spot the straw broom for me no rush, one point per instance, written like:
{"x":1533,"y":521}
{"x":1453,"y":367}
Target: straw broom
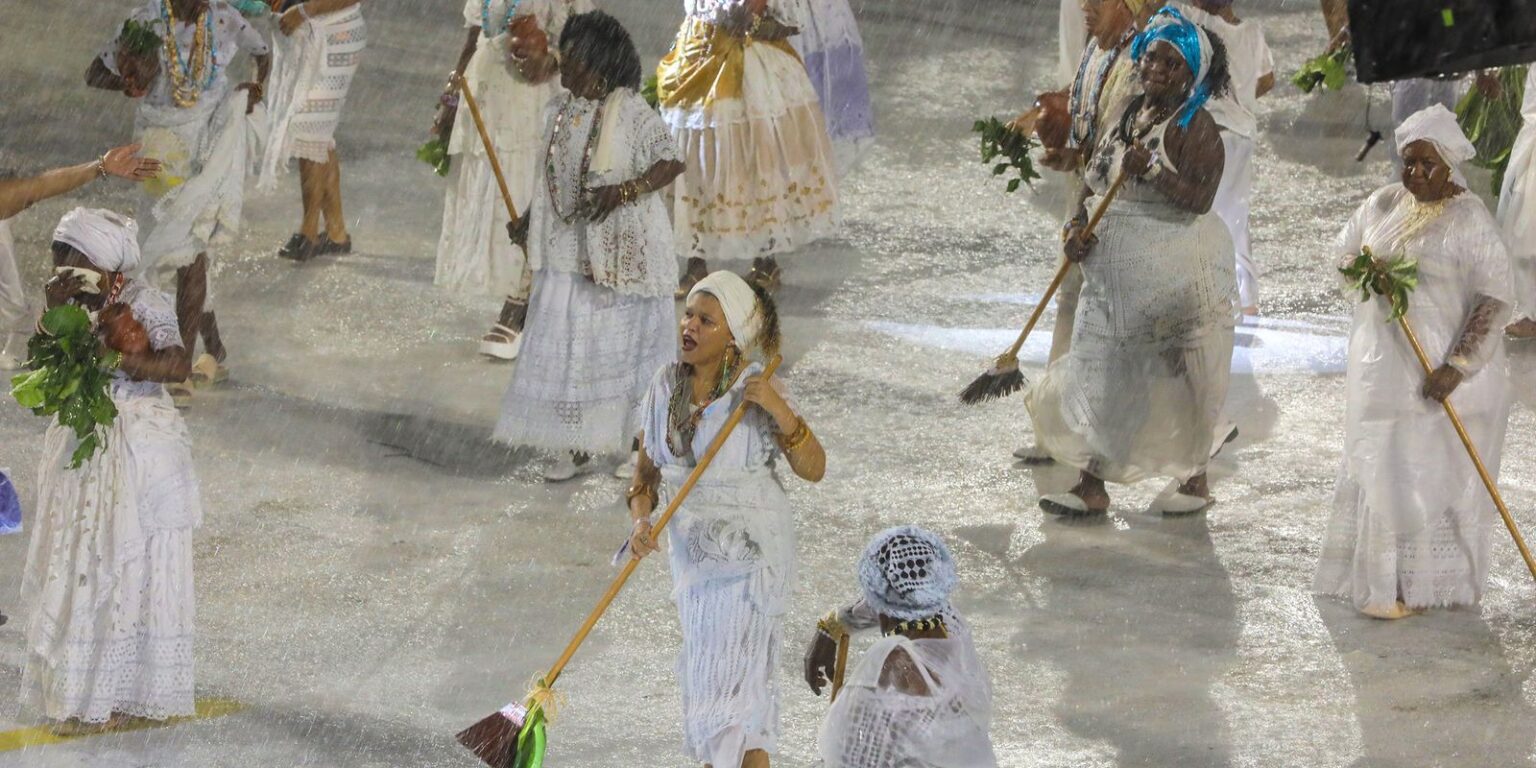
{"x":1005,"y":378}
{"x":514,"y":736}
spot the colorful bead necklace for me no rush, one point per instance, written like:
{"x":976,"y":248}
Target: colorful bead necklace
{"x":586,"y":158}
{"x":196,"y":72}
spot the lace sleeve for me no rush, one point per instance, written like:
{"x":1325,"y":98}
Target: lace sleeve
{"x":158,"y":316}
{"x":1473,"y":349}
{"x":653,"y":141}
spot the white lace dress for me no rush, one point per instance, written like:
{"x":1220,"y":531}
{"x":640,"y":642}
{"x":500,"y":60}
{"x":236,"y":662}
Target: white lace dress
{"x":1141,"y":391}
{"x":732,"y":553}
{"x":1517,"y":202}
{"x":312,"y":72}
{"x":474,"y":256}
{"x":205,"y":149}
{"x":601,"y":317}
{"x":109,"y":569}
{"x":1411,"y":519}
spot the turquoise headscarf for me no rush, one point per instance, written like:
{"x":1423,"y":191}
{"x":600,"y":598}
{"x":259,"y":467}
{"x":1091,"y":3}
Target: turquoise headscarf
{"x":1192,"y":42}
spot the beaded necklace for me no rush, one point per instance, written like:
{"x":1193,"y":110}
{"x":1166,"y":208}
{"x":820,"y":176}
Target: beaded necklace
{"x":485,"y":17}
{"x":682,"y":418}
{"x":194,"y":73}
{"x":586,"y":158}
{"x":1085,"y":117}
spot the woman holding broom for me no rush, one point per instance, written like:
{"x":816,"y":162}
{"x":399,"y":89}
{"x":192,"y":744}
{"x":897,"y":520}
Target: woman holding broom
{"x":601,"y":312}
{"x":1412,"y":523}
{"x":1142,"y":388}
{"x":732,"y":542}
{"x":509,"y":67}
{"x":109,"y":569}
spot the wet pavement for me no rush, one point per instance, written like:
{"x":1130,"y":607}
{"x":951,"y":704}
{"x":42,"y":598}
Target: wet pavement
{"x":373,"y":574}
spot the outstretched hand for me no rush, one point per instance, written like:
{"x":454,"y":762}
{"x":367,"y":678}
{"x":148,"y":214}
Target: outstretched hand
{"x":125,"y":163}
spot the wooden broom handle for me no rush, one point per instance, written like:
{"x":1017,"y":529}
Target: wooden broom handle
{"x":1477,"y":460}
{"x":661,"y":523}
{"x":490,"y":147}
{"x":1066,"y":266}
{"x":840,"y":672}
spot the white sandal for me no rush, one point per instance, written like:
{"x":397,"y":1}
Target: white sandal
{"x":502,"y":343}
{"x":1034,"y":456}
{"x":1172,"y":503}
{"x":181,"y":394}
{"x":207,"y":371}
{"x":1067,"y":505}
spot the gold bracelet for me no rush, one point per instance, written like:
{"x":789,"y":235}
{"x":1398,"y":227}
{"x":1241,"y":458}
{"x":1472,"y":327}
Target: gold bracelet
{"x":640,"y":488}
{"x":830,"y":626}
{"x":101,"y":166}
{"x":796,"y":439}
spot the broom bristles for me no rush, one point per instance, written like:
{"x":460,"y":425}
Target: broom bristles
{"x":1002,"y":380}
{"x":494,"y":738}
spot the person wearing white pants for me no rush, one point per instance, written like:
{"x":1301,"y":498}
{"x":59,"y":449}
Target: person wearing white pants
{"x":1252,"y":68}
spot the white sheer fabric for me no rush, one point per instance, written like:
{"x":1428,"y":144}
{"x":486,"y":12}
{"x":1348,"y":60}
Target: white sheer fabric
{"x":1072,"y":37}
{"x":943,"y":722}
{"x":601,"y":316}
{"x":474,"y":255}
{"x":1411,"y":518}
{"x":109,"y":569}
{"x":732,"y":553}
{"x":15,"y":317}
{"x":1517,"y":202}
{"x":312,"y":72}
{"x":1141,"y":391}
{"x":833,"y":51}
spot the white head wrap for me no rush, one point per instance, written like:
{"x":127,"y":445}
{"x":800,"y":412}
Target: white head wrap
{"x":907,"y":573}
{"x":738,"y":301}
{"x":109,"y":240}
{"x":1437,"y":125}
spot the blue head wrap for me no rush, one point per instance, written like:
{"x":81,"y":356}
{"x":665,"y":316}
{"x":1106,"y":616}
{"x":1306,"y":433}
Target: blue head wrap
{"x":1170,"y":26}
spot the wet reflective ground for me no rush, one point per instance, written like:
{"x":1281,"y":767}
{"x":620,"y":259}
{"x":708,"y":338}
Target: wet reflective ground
{"x":373,"y":575}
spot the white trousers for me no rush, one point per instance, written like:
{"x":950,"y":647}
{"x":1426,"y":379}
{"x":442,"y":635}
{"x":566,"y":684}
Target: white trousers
{"x":1233,"y":199}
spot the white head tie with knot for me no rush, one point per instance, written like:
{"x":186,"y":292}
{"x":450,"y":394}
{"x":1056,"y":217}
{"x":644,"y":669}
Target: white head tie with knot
{"x":110,"y":240}
{"x":1437,"y":125}
{"x":739,"y":303}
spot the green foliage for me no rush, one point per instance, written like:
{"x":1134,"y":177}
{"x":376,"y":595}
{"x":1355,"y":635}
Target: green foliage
{"x":435,"y":154}
{"x":70,"y":378}
{"x":649,"y":93}
{"x":139,"y":39}
{"x":1395,"y":279}
{"x":1010,"y":148}
{"x":1330,"y":70}
{"x":1493,"y":124}
{"x":532,"y":742}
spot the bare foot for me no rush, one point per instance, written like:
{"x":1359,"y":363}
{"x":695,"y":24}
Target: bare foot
{"x":1093,"y":495}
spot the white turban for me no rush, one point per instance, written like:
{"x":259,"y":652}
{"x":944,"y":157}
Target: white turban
{"x":1437,"y":125}
{"x":109,"y":240}
{"x":738,"y":301}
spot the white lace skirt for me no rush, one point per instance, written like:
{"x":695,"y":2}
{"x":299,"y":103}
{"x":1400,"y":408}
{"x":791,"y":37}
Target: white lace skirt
{"x":584,"y":370}
{"x":1383,"y":545}
{"x":728,"y":666}
{"x":109,"y":573}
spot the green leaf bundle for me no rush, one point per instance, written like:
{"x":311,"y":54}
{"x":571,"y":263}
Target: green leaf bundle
{"x":1493,"y":124}
{"x":1330,"y":70}
{"x":70,"y":378}
{"x":1008,"y":150}
{"x":435,"y":154}
{"x":139,"y":39}
{"x":649,"y":92}
{"x":1395,"y":279}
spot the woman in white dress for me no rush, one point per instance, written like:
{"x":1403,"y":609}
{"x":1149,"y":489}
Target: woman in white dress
{"x":732,"y":543}
{"x":833,"y":50}
{"x":109,"y":569}
{"x":509,"y":67}
{"x":1140,"y":392}
{"x":1517,"y":213}
{"x":920,"y":696}
{"x":760,"y":178}
{"x":1412,"y":523}
{"x":600,"y":317}
{"x":316,"y":58}
{"x":199,"y":126}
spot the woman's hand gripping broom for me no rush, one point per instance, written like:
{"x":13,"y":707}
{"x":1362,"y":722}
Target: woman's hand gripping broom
{"x":1005,"y":378}
{"x":514,"y":736}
